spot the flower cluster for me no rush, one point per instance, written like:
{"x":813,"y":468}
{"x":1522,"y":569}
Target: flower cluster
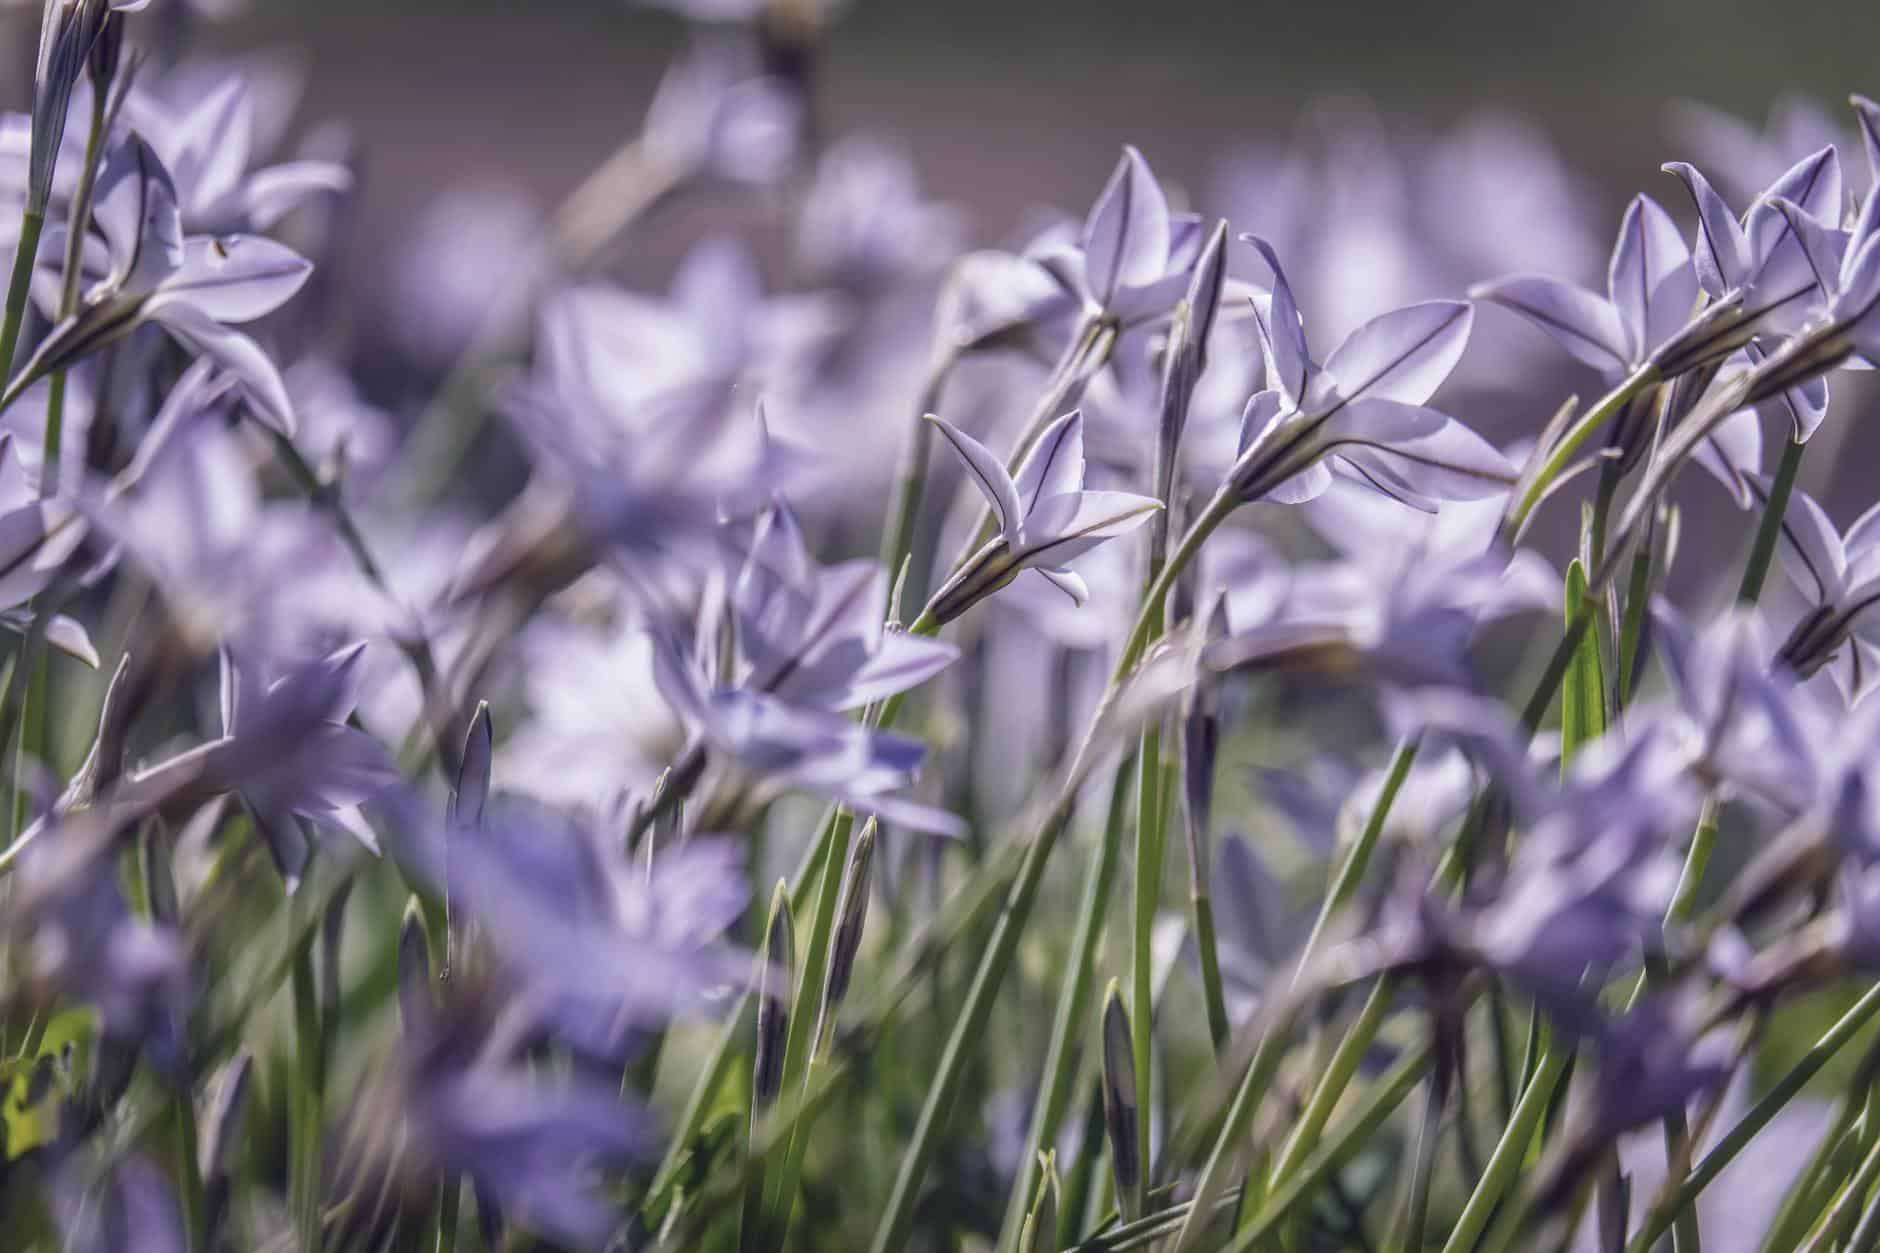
{"x":389,"y":829}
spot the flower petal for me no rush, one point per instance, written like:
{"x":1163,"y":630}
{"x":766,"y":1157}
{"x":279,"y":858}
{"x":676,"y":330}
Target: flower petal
{"x":1811,"y":548}
{"x":991,"y":476}
{"x":1282,"y":333}
{"x":1585,"y":325}
{"x":241,"y":356}
{"x":1722,"y":253}
{"x":1649,"y":250}
{"x":1063,"y":527}
{"x":1068,"y":582}
{"x":1126,"y":239}
{"x":1403,"y":355}
{"x":235,"y":278}
{"x":1055,"y":464}
{"x":1428,"y":452}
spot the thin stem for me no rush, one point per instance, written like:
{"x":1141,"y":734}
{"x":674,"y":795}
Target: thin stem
{"x":1840,"y":1217}
{"x":1073,"y":1011}
{"x":1150,"y":811}
{"x":814,"y":963}
{"x":1770,"y":530}
{"x":308,"y":1105}
{"x":1379,"y":1102}
{"x":32,"y":226}
{"x":1562,"y":455}
{"x":1429,"y":1135}
{"x":74,"y":269}
{"x":1337,"y":1076}
{"x":1504,"y":1164}
{"x":910,"y":478}
{"x":1212,"y":991}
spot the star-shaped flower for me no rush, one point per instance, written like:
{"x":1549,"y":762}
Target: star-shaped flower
{"x":1363,"y":410}
{"x":1046,"y":518}
{"x":196,"y":288}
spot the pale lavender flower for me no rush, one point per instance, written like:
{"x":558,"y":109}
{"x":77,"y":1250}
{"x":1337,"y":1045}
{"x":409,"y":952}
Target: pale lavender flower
{"x":1362,"y":413}
{"x":865,"y":223}
{"x":1747,"y":158}
{"x":38,"y":538}
{"x":229,"y":563}
{"x":208,"y":145}
{"x":1046,"y":518}
{"x":1650,"y":288}
{"x":195,"y":287}
{"x":304,"y":770}
{"x":1403,"y":606}
{"x":1755,"y":270}
{"x":1132,"y":261}
{"x":1839,"y":578}
{"x":716,"y":112}
{"x":540,"y":886}
{"x":769,"y":665}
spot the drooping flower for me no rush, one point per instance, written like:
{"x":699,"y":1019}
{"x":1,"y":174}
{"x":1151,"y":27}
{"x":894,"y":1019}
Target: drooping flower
{"x":195,"y":287}
{"x":1362,"y":413}
{"x":1046,"y":518}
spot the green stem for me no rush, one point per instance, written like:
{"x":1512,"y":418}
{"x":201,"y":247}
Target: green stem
{"x":1841,"y":1216}
{"x":1216,"y":1173}
{"x":32,"y":226}
{"x":1212,"y":991}
{"x":910,"y":478}
{"x":891,"y":1231}
{"x":1569,"y":443}
{"x":78,"y":225}
{"x":780,"y":1194}
{"x":1149,"y":847}
{"x":1330,"y":1089}
{"x":1072,"y":1014}
{"x":1504,"y":1164}
{"x":308,"y":1101}
{"x":1674,"y":1200}
{"x":1770,"y":530}
{"x":1429,"y":1134}
{"x":1379,"y":1102}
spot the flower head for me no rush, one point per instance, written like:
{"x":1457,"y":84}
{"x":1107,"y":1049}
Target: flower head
{"x":1046,"y":518}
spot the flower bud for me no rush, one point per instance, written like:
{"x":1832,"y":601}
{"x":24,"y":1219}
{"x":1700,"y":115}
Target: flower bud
{"x":851,"y":918}
{"x":1039,"y":1234}
{"x":1119,"y":1100}
{"x":773,"y":1002}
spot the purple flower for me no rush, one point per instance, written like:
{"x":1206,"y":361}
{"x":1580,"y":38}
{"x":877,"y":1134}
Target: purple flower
{"x":540,"y":886}
{"x":1839,"y":577}
{"x":1758,"y":265}
{"x":1650,"y":288}
{"x":67,"y":31}
{"x":776,"y":656}
{"x":865,"y":222}
{"x":208,"y":146}
{"x":301,"y":767}
{"x":1046,"y":518}
{"x":1362,"y":411}
{"x":533,"y":1148}
{"x":195,"y":287}
{"x":1133,"y":259}
{"x":1404,"y":605}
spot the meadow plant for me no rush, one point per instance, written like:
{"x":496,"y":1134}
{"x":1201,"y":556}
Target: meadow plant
{"x":392,"y":796}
